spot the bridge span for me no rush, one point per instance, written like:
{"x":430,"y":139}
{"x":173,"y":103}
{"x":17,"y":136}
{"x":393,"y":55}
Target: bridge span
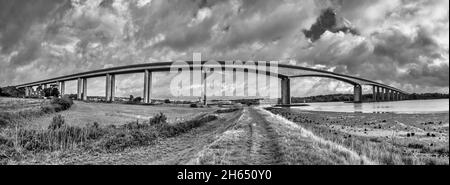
{"x":284,"y":72}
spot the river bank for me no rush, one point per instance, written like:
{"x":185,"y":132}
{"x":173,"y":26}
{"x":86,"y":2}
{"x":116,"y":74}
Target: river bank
{"x":385,"y":138}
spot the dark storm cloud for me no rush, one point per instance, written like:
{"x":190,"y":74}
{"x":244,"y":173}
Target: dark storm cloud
{"x":327,"y":21}
{"x":406,"y":49}
{"x":16,"y":18}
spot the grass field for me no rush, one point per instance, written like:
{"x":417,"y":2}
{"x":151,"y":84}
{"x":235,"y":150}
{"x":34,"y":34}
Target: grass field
{"x":82,"y":113}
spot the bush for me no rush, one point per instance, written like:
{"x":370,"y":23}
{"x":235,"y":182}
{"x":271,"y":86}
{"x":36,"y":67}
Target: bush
{"x":65,"y":102}
{"x":3,"y":122}
{"x":57,"y":122}
{"x":121,"y":139}
{"x":220,"y":111}
{"x":158,"y":119}
{"x":166,"y":130}
{"x":137,"y":99}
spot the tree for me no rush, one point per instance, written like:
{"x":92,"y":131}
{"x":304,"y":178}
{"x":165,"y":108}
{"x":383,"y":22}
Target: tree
{"x":137,"y":99}
{"x":55,"y":92}
{"x":47,"y":92}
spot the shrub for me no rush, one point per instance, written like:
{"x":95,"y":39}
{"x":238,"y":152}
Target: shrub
{"x":5,"y":141}
{"x":220,"y":111}
{"x":121,"y":139}
{"x":137,"y":99}
{"x":65,"y":102}
{"x":57,"y":122}
{"x":415,"y":145}
{"x":94,"y":125}
{"x":3,"y":122}
{"x":166,"y":130}
{"x":158,"y":119}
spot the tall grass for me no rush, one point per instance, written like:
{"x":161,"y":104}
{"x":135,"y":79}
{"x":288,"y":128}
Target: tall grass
{"x":60,"y":136}
{"x":55,"y":105}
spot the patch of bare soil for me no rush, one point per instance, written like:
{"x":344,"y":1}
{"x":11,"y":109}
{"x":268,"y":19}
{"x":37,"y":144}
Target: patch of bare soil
{"x":251,"y":140}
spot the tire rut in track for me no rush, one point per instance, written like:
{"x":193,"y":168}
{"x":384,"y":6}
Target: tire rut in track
{"x":264,"y":141}
{"x":250,"y":140}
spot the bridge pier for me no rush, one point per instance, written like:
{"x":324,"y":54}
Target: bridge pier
{"x":27,"y":91}
{"x":85,"y":89}
{"x":61,"y":88}
{"x":388,"y":95}
{"x":110,"y":87}
{"x":391,"y":95}
{"x":357,"y":93}
{"x":147,"y":86}
{"x":374,"y":93}
{"x":382,"y":94}
{"x":79,"y":88}
{"x":377,"y":99}
{"x":204,"y":75}
{"x":285,"y":91}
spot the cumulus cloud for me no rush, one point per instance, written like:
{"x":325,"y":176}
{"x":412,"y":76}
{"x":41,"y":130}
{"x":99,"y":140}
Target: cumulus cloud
{"x":400,"y":43}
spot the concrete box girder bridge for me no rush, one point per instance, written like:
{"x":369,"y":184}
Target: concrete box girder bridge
{"x":284,"y":72}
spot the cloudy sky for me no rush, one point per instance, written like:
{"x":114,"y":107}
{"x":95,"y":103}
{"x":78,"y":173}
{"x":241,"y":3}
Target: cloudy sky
{"x":403,"y":43}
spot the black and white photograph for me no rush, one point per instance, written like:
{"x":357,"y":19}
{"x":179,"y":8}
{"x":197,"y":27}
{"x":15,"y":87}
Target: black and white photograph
{"x":224,"y":83}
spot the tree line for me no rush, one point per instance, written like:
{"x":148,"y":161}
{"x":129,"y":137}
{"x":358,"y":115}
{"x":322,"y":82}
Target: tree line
{"x":11,"y":91}
{"x":349,"y":97}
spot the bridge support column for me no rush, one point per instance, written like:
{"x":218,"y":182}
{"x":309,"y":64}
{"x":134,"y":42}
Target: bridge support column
{"x":27,"y":91}
{"x":382,"y":97}
{"x":204,"y":74}
{"x":61,"y":88}
{"x":388,"y":95}
{"x":391,"y":95}
{"x":110,"y":87}
{"x":285,"y":91}
{"x":357,"y":93}
{"x":147,"y":86}
{"x":113,"y":87}
{"x":79,"y":89}
{"x":374,"y":93}
{"x":378,"y":94}
{"x":85,"y":89}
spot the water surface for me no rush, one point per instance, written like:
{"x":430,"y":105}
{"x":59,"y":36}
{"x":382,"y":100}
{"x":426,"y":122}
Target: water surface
{"x":409,"y":106}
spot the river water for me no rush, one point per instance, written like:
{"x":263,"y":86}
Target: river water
{"x":409,"y":106}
